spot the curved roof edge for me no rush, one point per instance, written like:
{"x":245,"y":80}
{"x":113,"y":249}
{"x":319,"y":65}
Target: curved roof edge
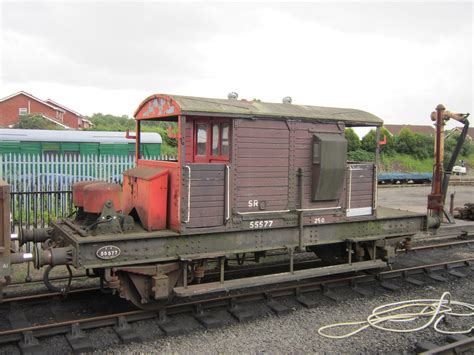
{"x":161,"y":105}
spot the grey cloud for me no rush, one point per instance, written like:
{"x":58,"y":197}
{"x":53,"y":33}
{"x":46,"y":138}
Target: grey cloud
{"x":145,"y":45}
{"x":113,"y":44}
{"x":421,"y":21}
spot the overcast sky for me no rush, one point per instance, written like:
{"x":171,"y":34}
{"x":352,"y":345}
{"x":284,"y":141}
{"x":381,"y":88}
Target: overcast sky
{"x":396,"y":60}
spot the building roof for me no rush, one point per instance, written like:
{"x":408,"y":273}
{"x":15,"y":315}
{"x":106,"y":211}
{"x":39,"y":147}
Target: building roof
{"x":63,"y":107}
{"x":55,"y":122}
{"x":161,"y":105}
{"x":33,"y":98}
{"x":395,"y":129}
{"x":470,"y":132}
{"x":44,"y":135}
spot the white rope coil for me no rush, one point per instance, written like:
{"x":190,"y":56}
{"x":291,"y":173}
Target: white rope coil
{"x":435,"y":310}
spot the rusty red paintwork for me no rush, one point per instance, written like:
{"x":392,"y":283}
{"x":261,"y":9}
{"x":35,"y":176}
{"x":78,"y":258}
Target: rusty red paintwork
{"x":157,"y":106}
{"x":174,"y":189}
{"x":145,"y":189}
{"x":78,"y":192}
{"x":5,"y":240}
{"x":95,"y":196}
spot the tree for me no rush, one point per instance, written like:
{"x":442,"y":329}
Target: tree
{"x":368,"y":142}
{"x":111,"y":123}
{"x":450,"y":144}
{"x":424,"y":146}
{"x":405,"y":141}
{"x":467,"y":147}
{"x":36,"y":121}
{"x":106,"y":122}
{"x":417,"y":145}
{"x":353,"y":141}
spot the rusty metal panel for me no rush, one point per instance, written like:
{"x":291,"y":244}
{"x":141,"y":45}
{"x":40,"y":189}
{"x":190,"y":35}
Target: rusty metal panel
{"x":174,"y":182}
{"x":145,"y":189}
{"x":261,"y":165}
{"x":96,"y":195}
{"x":5,"y":238}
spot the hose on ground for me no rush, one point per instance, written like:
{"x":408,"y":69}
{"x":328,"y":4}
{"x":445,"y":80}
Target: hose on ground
{"x":435,"y":310}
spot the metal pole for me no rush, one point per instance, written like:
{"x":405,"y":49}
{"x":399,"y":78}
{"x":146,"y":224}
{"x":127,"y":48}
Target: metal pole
{"x":137,"y":141}
{"x":439,"y":150}
{"x":301,"y":216}
{"x":435,"y":199}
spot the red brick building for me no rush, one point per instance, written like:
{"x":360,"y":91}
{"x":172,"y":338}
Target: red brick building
{"x":14,"y":106}
{"x":71,"y":115}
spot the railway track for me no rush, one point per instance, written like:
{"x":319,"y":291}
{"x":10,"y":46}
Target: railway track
{"x":118,"y":314}
{"x":455,"y":344}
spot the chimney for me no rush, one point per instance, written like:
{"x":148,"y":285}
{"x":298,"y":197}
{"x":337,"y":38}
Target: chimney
{"x":287,"y":100}
{"x":232,"y":95}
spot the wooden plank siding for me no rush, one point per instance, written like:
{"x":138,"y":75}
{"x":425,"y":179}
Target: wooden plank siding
{"x":260,"y":169}
{"x":207,"y":195}
{"x":360,"y":193}
{"x":304,"y":132}
{"x":264,"y":162}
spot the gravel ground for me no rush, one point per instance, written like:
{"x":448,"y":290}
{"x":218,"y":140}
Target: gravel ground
{"x":297,"y":331}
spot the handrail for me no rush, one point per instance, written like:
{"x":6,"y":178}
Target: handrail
{"x":227,"y":214}
{"x":189,"y":194}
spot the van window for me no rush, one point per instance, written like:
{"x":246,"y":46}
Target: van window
{"x":225,"y":139}
{"x":201,"y":139}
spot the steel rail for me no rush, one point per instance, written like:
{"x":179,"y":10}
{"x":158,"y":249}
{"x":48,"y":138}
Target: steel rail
{"x":37,"y":296}
{"x":457,"y":347}
{"x":39,"y":281}
{"x":439,"y":245}
{"x":445,"y":264}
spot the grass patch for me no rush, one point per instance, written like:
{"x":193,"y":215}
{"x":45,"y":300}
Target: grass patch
{"x":408,"y":164}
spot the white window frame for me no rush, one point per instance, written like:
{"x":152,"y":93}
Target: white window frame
{"x":22,"y":111}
